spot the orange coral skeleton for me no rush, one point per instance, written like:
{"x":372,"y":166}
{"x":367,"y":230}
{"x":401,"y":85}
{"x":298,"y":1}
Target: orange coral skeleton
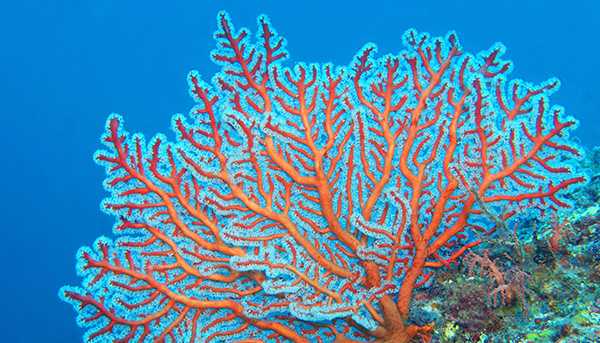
{"x":308,"y":204}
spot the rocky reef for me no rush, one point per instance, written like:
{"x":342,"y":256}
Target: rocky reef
{"x":538,"y":283}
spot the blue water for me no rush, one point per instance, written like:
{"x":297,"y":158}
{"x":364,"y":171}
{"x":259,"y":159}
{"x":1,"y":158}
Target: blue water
{"x":64,"y":65}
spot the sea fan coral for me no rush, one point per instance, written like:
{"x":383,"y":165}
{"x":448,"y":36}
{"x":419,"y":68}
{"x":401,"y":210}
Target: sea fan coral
{"x":308,"y":202}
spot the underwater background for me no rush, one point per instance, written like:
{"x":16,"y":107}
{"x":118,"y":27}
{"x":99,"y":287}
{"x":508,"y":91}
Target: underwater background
{"x":65,"y":65}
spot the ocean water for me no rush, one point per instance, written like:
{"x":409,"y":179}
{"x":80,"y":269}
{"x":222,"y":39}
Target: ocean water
{"x":65,"y":65}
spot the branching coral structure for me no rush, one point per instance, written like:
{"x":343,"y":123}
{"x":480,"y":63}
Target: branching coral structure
{"x":308,"y":203}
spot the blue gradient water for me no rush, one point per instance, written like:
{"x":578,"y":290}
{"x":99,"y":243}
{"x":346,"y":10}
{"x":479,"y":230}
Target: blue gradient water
{"x":64,"y":65}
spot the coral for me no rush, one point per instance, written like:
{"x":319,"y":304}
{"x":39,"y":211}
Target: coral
{"x":562,"y":288}
{"x":560,"y":231}
{"x":504,"y":287}
{"x":309,"y":202}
